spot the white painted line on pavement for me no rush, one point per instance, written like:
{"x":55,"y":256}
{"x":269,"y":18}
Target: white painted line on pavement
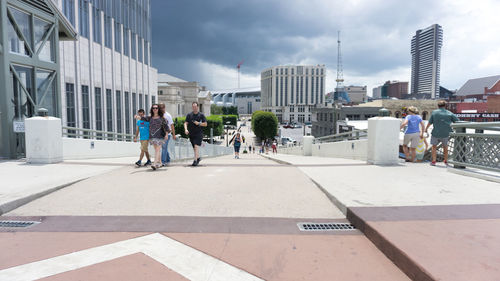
{"x":188,"y":262}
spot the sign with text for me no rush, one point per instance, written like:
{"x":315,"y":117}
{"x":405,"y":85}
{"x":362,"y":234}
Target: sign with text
{"x":18,"y":126}
{"x":478,"y":115}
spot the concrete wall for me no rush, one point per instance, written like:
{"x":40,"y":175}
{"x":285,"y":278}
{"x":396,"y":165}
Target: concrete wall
{"x":356,"y":149}
{"x":82,"y":149}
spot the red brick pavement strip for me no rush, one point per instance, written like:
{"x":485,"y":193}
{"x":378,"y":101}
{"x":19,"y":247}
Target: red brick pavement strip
{"x":297,"y":257}
{"x":130,"y":268}
{"x":459,"y":242}
{"x":170,"y":224}
{"x":271,"y":257}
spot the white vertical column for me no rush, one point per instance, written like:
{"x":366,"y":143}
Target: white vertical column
{"x":383,"y":140}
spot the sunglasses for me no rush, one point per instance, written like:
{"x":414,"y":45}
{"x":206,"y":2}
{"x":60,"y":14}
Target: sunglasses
{"x":155,"y":107}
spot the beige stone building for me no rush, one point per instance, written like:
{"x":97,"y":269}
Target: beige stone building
{"x":178,"y":95}
{"x":396,"y":107}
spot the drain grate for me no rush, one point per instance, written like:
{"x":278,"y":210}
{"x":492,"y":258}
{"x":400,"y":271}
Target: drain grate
{"x":307,"y":226}
{"x":17,"y":223}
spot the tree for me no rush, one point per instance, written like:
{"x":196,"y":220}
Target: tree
{"x":215,"y":109}
{"x":264,"y":124}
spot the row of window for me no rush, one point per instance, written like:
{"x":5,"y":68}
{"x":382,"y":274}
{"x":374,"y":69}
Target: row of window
{"x":284,"y":71}
{"x":131,"y":102}
{"x":316,"y":95}
{"x":132,"y":36}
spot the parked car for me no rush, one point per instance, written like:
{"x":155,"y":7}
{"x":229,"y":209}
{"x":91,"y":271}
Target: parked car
{"x":287,"y":126}
{"x":286,"y":140}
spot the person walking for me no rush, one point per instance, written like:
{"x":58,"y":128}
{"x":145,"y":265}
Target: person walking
{"x":193,"y":127}
{"x":441,"y":120}
{"x":274,"y":146}
{"x":165,"y":155}
{"x":158,"y":132}
{"x":237,"y":144}
{"x":413,"y":133}
{"x":142,"y":128}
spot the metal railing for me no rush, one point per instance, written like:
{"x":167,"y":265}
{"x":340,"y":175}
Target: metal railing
{"x":476,"y":149}
{"x":352,"y":135}
{"x":72,"y":132}
{"x":180,"y":148}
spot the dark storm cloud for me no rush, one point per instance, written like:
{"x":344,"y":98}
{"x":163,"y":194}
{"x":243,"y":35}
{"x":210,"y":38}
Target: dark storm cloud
{"x":375,"y":35}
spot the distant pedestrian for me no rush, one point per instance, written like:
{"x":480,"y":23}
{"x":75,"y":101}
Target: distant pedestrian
{"x":274,"y":146}
{"x":441,"y":119}
{"x":250,"y":149}
{"x":142,"y":128}
{"x":165,"y":155}
{"x":158,"y":132}
{"x":237,"y":145}
{"x":195,"y":121}
{"x":413,"y":133}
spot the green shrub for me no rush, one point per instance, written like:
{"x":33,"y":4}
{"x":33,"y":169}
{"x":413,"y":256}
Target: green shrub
{"x":232,"y":119}
{"x":213,"y":121}
{"x":215,"y":109}
{"x":230,"y":110}
{"x":264,"y":124}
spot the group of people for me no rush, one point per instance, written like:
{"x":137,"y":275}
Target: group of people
{"x":158,"y":128}
{"x":416,"y":132}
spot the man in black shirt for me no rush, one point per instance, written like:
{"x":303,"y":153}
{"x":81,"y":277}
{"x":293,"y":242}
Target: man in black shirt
{"x":195,"y":121}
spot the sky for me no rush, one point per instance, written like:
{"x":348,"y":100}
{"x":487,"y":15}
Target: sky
{"x":204,"y":40}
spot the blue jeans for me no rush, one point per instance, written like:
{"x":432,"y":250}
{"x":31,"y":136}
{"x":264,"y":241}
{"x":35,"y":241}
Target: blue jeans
{"x":165,"y":156}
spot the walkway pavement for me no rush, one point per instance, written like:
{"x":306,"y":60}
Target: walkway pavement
{"x":433,"y":224}
{"x":236,"y":219}
{"x":353,"y":183}
{"x":229,"y":219}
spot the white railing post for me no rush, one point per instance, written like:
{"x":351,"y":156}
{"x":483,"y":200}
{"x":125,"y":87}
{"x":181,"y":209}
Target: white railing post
{"x":383,"y":140}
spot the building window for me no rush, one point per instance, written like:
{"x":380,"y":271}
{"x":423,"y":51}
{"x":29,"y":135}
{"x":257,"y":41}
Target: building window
{"x":70,"y":105}
{"x":109,"y":110}
{"x":301,"y":89}
{"x":146,"y":97}
{"x":139,"y":49}
{"x":84,"y":18}
{"x":276,"y":91}
{"x":281,"y":91}
{"x":126,"y":42}
{"x":134,"y":103}
{"x":133,"y":46}
{"x":292,"y":108}
{"x":321,"y":91}
{"x":141,"y":103}
{"x":118,"y":112}
{"x":292,"y":71}
{"x":307,"y":88}
{"x":108,"y":35}
{"x":118,"y":37}
{"x":146,"y":53}
{"x":98,"y":109}
{"x":286,"y":90}
{"x":97,"y":34}
{"x":85,"y":107}
{"x":127,"y":112}
{"x":69,"y":10}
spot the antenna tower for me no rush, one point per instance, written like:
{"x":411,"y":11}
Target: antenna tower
{"x":340,"y":72}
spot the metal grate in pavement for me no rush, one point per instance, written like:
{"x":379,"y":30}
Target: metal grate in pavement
{"x":308,"y":226}
{"x":17,"y":223}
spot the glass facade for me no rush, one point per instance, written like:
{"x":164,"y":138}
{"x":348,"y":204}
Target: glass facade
{"x":118,"y":112}
{"x":98,"y":109}
{"x":96,"y":23}
{"x":85,"y":107}
{"x":83,"y":15}
{"x":70,"y":105}
{"x":127,"y":112}
{"x":109,"y":110}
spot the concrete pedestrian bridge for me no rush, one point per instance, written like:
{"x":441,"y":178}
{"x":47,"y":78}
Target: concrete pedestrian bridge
{"x":260,"y":217}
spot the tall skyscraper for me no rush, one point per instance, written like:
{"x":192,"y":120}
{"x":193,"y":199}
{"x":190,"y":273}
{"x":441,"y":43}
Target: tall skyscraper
{"x":426,"y":61}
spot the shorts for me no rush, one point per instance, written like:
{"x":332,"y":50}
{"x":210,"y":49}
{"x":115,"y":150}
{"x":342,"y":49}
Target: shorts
{"x":144,"y":145}
{"x":196,"y":140}
{"x":237,"y":148}
{"x":436,"y":141}
{"x":156,"y":141}
{"x":414,"y":138}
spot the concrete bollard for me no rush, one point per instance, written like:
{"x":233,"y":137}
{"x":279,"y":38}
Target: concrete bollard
{"x":308,"y":142}
{"x":383,"y":140}
{"x":44,"y":143}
